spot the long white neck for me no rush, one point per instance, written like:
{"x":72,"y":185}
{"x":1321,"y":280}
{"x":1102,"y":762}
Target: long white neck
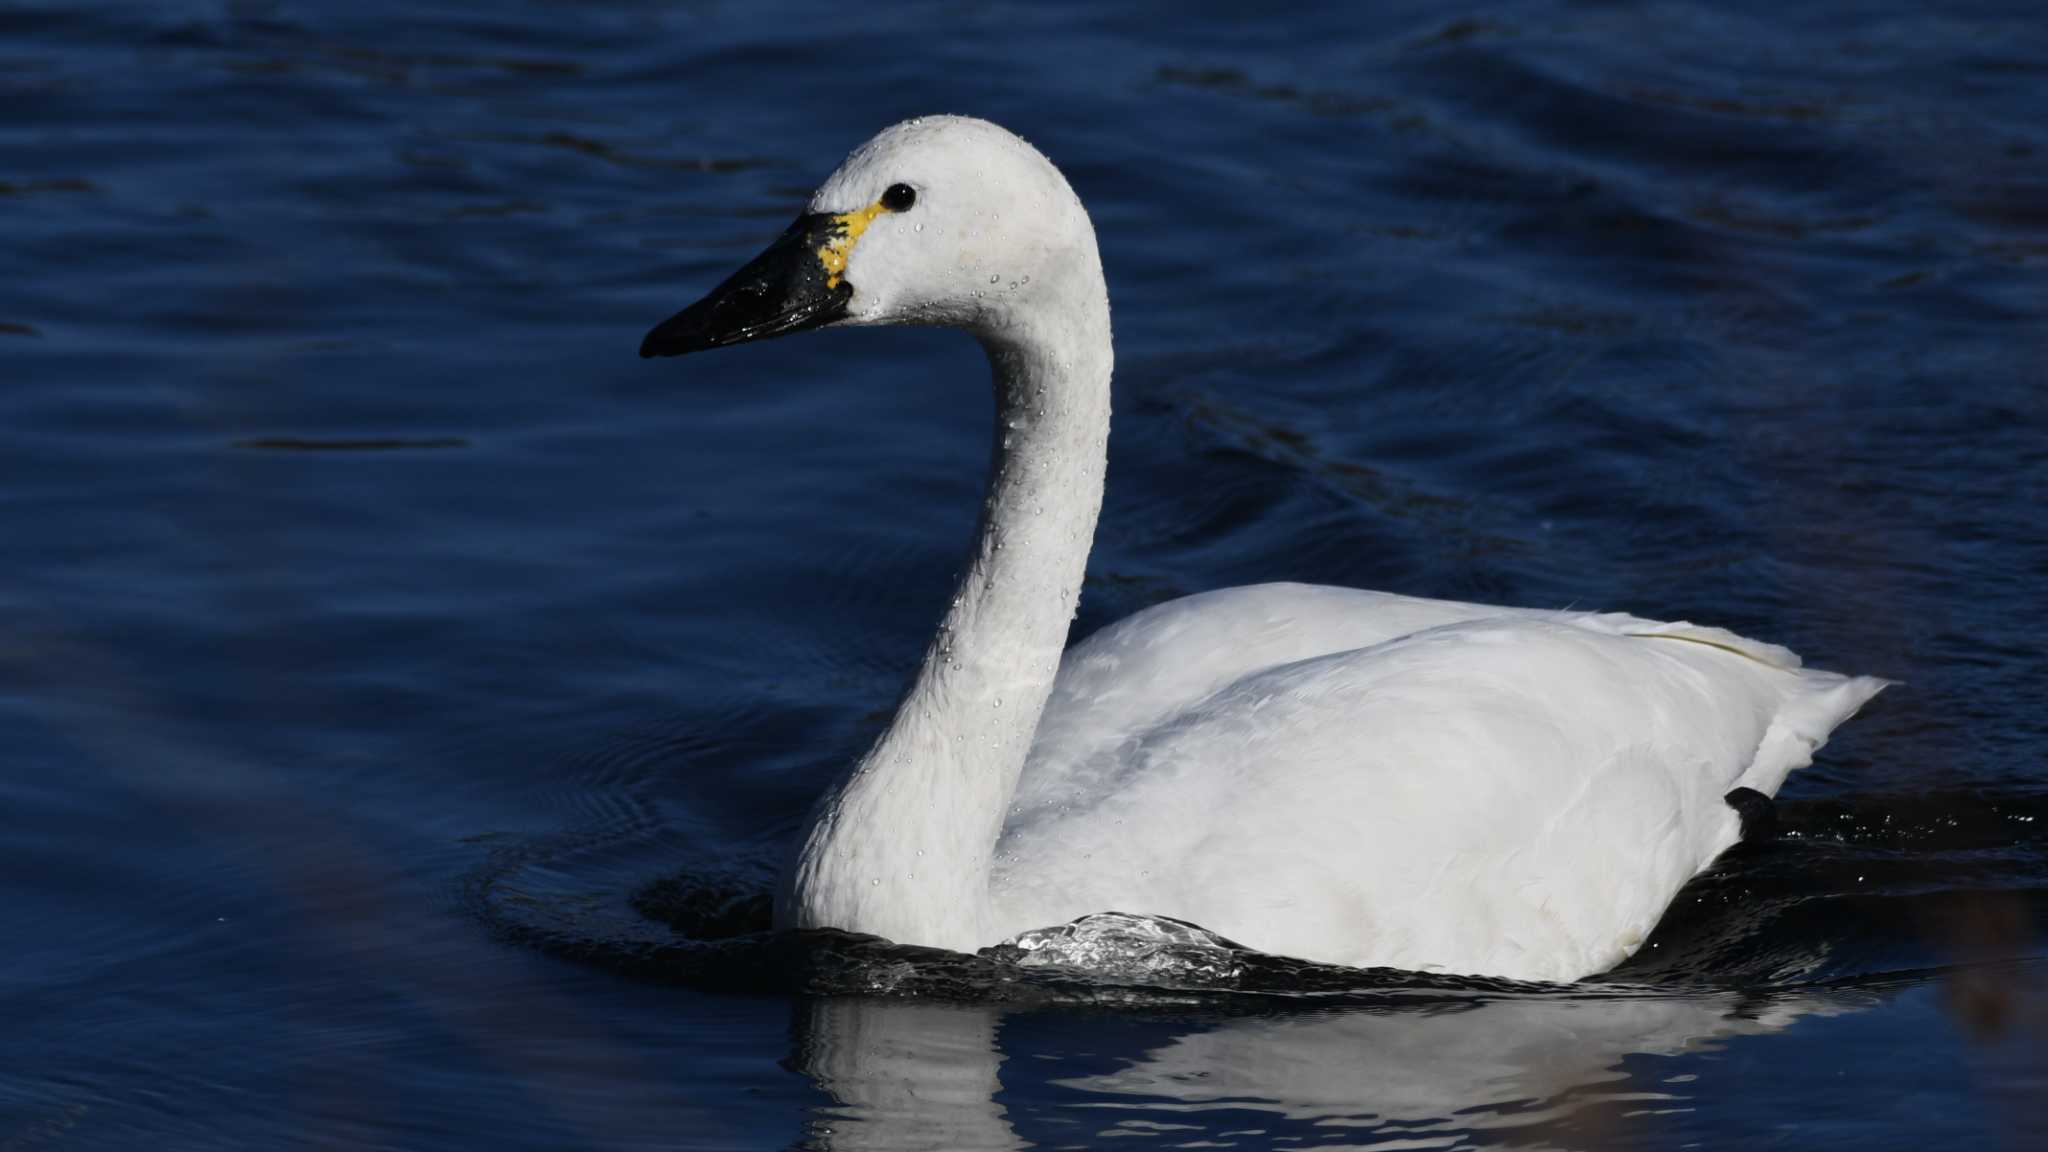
{"x":900,"y":847}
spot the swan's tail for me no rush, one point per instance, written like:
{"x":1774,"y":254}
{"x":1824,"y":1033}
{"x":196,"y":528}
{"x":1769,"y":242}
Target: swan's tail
{"x":1815,"y":706}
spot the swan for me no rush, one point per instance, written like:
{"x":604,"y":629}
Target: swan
{"x":1343,"y":776}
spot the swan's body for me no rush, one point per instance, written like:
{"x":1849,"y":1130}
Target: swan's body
{"x":1371,"y":779}
{"x":1343,"y":776}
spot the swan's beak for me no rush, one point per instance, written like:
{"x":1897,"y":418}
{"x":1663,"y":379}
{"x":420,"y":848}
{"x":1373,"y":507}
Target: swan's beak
{"x":794,"y":285}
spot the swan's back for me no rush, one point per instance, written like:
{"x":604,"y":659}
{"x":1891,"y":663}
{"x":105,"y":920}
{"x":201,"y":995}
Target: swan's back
{"x":1370,"y":779}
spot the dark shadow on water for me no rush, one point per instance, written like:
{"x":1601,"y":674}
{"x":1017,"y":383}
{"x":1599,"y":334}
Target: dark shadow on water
{"x":1852,"y":893}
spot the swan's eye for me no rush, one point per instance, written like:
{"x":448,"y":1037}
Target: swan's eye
{"x":899,"y":197}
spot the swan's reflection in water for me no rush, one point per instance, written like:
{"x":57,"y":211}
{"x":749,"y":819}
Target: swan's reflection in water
{"x":904,"y":1075}
{"x":908,"y":1075}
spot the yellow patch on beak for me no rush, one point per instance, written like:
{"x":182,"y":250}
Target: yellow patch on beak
{"x":833,"y":253}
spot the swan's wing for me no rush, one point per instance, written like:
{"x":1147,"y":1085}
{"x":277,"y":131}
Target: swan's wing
{"x":1145,"y":668}
{"x":1520,"y":796}
{"x":1623,"y":624}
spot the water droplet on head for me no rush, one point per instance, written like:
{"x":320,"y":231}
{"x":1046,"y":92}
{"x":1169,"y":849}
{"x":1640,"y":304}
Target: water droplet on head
{"x":875,"y":883}
{"x":995,"y":277}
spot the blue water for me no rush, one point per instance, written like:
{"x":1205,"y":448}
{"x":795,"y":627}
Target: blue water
{"x":401,"y":683}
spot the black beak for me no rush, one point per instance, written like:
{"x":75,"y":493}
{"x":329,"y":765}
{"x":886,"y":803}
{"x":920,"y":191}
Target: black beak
{"x":785,"y":289}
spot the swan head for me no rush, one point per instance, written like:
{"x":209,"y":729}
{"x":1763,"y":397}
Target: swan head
{"x":939,"y":220}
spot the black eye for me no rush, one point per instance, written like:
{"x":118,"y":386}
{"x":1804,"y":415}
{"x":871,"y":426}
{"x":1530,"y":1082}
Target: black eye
{"x":899,"y":197}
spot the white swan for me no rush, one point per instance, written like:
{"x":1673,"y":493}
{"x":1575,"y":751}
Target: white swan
{"x":1344,"y":776}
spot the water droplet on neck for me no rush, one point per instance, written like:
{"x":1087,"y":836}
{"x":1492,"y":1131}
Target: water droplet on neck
{"x":994,"y":277}
{"x":875,"y":883}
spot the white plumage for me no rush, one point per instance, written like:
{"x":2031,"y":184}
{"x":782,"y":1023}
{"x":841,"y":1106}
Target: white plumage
{"x":1369,"y":779}
{"x":1343,"y":776}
